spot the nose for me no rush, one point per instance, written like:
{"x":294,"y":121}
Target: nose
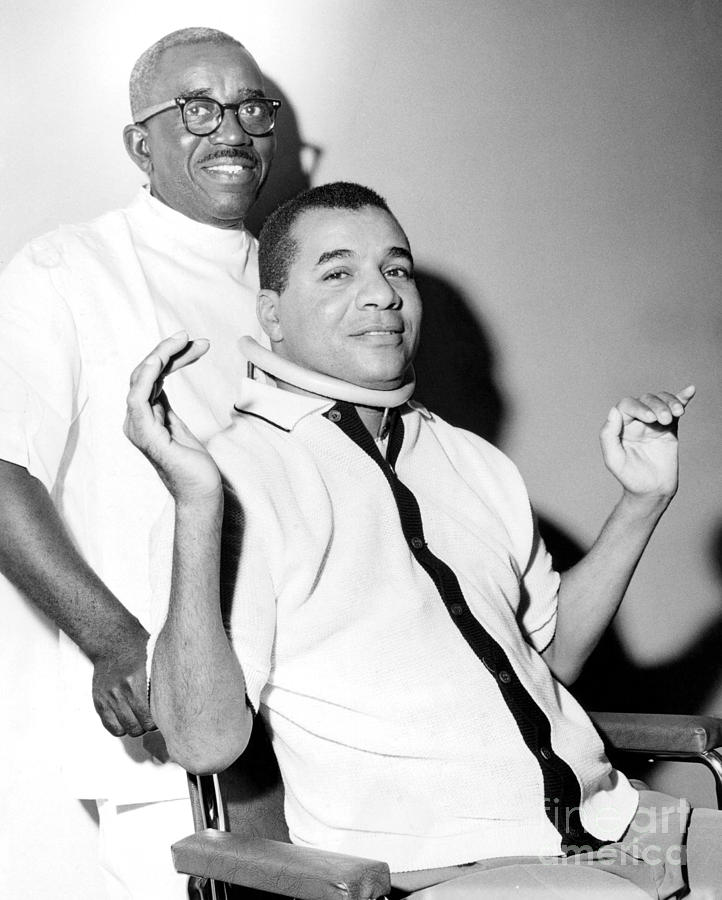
{"x":376,"y":292}
{"x":229,"y":132}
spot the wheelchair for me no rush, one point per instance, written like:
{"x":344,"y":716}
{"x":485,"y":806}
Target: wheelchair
{"x":241,"y":846}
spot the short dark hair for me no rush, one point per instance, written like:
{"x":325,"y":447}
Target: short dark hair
{"x":277,"y":247}
{"x":144,"y":72}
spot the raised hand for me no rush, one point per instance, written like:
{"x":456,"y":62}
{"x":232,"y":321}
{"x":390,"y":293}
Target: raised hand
{"x":182,"y":462}
{"x":639,"y":442}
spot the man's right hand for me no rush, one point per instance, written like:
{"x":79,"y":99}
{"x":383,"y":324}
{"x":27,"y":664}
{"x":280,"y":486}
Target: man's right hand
{"x":120,"y":693}
{"x":38,"y":556}
{"x":182,"y":462}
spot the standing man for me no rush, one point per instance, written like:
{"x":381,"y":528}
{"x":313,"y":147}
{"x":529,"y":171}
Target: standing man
{"x":77,"y":308}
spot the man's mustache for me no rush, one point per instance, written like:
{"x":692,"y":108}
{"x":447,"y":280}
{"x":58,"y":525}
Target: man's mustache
{"x":229,"y":153}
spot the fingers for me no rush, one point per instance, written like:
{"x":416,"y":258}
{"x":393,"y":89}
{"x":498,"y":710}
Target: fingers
{"x":159,"y":356}
{"x":192,"y":351}
{"x":121,"y":714}
{"x":141,"y":713}
{"x":110,"y":721}
{"x":146,"y":382}
{"x":686,"y":394}
{"x":120,"y":719}
{"x":129,"y":722}
{"x":662,"y":408}
{"x":610,"y":436}
{"x":172,"y":353}
{"x":614,"y":423}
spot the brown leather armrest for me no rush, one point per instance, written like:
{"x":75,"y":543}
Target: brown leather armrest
{"x":301,"y":872}
{"x":658,"y":733}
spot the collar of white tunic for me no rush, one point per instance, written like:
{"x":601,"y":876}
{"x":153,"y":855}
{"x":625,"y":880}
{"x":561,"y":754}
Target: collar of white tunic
{"x":156,"y":218}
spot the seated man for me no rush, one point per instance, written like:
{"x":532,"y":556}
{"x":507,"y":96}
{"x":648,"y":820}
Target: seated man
{"x":388,"y":605}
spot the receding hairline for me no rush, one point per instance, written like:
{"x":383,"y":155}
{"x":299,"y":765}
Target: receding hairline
{"x":145,"y":71}
{"x":330,"y":210}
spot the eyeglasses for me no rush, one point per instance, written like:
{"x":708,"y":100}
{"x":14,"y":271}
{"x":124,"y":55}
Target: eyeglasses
{"x":204,"y":115}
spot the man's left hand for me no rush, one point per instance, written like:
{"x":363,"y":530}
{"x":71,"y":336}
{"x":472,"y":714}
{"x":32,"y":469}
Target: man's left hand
{"x":639,"y":442}
{"x":180,"y":459}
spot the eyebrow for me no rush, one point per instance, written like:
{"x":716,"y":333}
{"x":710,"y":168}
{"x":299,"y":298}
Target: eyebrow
{"x":246,"y":93}
{"x":328,"y":255}
{"x":402,"y":252}
{"x":342,"y":253}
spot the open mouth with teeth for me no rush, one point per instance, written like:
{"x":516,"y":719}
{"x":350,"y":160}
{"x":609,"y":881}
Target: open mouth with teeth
{"x":238,"y":170}
{"x":379,"y":337}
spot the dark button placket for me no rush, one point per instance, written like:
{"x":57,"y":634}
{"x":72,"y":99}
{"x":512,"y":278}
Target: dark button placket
{"x":534,"y":727}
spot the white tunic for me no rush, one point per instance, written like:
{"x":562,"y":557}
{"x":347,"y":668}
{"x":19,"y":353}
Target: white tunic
{"x":394,"y":740}
{"x":79,"y":308}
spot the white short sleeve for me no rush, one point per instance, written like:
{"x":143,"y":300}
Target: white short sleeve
{"x":40,"y":369}
{"x":501,"y":483}
{"x":540,"y":590}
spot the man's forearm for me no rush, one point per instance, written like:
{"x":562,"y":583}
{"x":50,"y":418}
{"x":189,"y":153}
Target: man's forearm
{"x":640,"y":448}
{"x":38,"y":556}
{"x":591,"y":591}
{"x":198,"y":688}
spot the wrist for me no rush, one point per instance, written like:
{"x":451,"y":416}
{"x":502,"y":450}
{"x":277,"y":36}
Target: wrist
{"x":644,"y":506}
{"x":206,"y":504}
{"x":119,"y":635}
{"x":190,"y":492}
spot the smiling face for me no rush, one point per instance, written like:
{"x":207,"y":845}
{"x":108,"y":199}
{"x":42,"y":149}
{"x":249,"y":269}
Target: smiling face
{"x":350,"y":307}
{"x":212,"y":179}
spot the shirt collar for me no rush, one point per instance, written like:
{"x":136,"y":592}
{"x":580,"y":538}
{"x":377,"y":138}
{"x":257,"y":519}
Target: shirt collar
{"x":282,"y":408}
{"x":420,"y":409}
{"x":286,"y":409}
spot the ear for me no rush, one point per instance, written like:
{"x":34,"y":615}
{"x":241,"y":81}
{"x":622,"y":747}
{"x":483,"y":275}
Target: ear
{"x":268,"y":312}
{"x":135,"y":138}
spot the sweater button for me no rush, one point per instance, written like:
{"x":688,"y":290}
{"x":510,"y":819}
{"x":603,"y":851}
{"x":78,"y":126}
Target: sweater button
{"x":334,"y":415}
{"x":504,"y":676}
{"x":456,"y":609}
{"x":545,"y":753}
{"x":417,"y":543}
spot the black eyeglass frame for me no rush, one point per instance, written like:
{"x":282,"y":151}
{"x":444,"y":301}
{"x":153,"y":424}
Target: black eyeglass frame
{"x":180,"y":103}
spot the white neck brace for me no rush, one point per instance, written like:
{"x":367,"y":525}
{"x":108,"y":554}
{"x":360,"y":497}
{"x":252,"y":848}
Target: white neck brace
{"x":323,"y":385}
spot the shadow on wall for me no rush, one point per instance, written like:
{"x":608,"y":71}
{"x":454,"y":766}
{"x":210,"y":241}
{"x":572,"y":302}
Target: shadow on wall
{"x":611,"y":680}
{"x":455,"y":365}
{"x":293,"y":165}
{"x":456,"y":378}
